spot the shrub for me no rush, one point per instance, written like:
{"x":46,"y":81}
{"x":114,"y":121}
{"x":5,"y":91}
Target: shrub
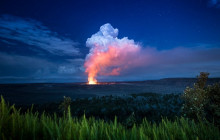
{"x":202,"y":102}
{"x":65,"y":104}
{"x":196,"y":98}
{"x":130,"y":121}
{"x":212,"y":107}
{"x":202,"y":79}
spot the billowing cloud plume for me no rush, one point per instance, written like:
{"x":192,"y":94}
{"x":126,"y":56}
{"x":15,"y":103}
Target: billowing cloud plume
{"x":109,"y":55}
{"x":34,"y":33}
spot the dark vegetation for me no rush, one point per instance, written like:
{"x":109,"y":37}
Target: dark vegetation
{"x":203,"y":102}
{"x":192,"y":115}
{"x":14,"y":125}
{"x":147,"y":105}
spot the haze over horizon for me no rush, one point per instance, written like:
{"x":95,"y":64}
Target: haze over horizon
{"x":47,"y":41}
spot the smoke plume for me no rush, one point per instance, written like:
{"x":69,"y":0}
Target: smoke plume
{"x":108,"y":54}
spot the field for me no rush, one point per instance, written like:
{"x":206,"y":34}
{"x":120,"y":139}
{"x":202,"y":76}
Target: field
{"x":121,"y":110}
{"x":14,"y":125}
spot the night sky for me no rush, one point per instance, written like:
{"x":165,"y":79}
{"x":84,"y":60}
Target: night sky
{"x":45,"y":41}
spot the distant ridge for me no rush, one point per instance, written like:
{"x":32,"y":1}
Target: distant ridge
{"x":180,"y":81}
{"x":165,"y":81}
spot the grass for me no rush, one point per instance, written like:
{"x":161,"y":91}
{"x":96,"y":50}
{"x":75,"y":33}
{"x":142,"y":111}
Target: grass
{"x":29,"y":125}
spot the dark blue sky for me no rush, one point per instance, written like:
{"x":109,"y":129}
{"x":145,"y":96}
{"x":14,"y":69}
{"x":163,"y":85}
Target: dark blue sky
{"x":43,"y":41}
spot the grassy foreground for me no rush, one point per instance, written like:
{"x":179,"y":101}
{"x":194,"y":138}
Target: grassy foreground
{"x":14,"y":125}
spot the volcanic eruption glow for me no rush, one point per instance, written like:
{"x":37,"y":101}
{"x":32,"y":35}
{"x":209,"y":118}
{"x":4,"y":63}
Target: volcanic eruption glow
{"x":108,"y":54}
{"x":92,"y":81}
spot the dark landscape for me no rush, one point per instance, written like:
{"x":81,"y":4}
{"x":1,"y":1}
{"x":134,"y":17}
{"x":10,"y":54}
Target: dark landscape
{"x":154,"y":105}
{"x":38,"y":93}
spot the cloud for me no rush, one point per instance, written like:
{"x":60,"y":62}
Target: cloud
{"x":177,"y":62}
{"x":109,"y":55}
{"x":8,"y":42}
{"x":113,"y":58}
{"x":18,"y":68}
{"x":74,"y":66}
{"x":117,"y":59}
{"x":34,"y":33}
{"x":24,"y":66}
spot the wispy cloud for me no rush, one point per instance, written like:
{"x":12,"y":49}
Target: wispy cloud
{"x":72,"y":66}
{"x":18,"y":68}
{"x":34,"y":33}
{"x":177,"y":62}
{"x":7,"y":42}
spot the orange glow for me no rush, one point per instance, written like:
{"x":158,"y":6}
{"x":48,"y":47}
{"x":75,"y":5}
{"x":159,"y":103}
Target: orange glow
{"x":109,"y":62}
{"x":92,"y":81}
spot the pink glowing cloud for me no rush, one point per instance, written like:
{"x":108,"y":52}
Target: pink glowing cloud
{"x":112,"y":56}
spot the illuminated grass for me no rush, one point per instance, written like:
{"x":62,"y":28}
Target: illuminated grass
{"x":14,"y":125}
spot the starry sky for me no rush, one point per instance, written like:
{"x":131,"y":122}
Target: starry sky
{"x":45,"y":41}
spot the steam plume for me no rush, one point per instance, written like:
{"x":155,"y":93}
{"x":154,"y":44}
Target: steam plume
{"x":108,"y":54}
